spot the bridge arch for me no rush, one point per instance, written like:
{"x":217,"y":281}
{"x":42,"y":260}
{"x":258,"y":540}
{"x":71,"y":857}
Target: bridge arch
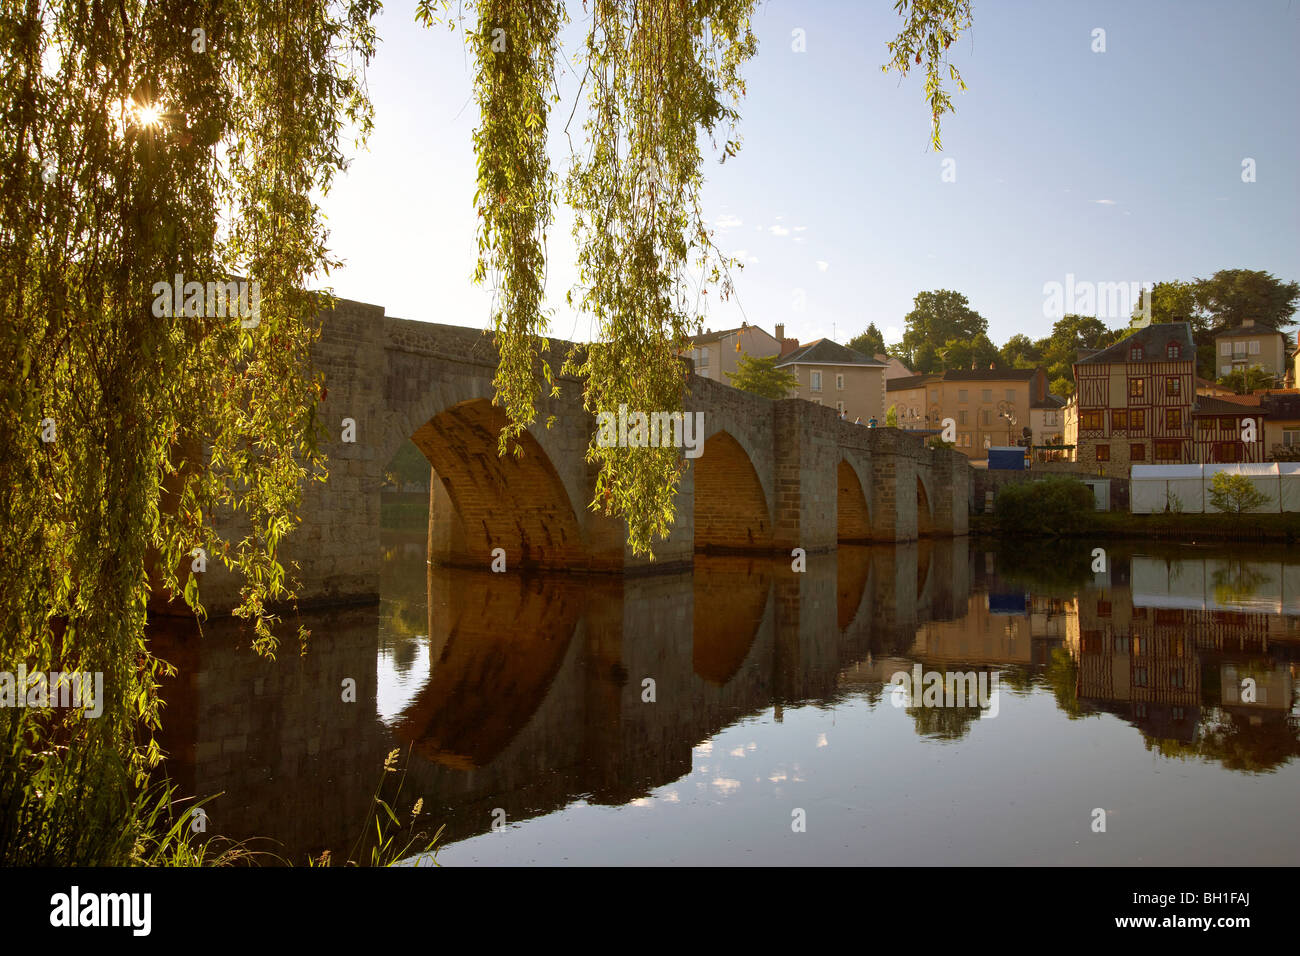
{"x":483,"y":501}
{"x":924,"y":508}
{"x":731,"y":509}
{"x":853,"y":513}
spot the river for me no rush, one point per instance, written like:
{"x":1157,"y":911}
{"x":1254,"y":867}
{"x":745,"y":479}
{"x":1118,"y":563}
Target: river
{"x":746,"y":713}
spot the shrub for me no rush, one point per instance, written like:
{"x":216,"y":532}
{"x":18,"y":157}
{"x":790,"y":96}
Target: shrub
{"x":1047,"y":506}
{"x":1235,"y":494}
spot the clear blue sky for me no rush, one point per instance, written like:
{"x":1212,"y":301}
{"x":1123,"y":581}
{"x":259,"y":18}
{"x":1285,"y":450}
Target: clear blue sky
{"x":1114,"y":167}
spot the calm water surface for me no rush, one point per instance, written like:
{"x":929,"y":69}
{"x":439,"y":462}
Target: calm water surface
{"x":525,"y":700}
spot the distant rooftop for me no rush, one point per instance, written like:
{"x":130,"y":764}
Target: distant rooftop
{"x":1152,"y":339}
{"x":826,"y":352}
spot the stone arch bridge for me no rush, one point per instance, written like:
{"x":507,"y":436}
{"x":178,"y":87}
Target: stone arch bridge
{"x":773,"y":476}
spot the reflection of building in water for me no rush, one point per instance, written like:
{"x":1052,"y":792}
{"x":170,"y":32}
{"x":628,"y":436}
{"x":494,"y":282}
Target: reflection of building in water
{"x":1168,"y":646}
{"x":986,"y":635}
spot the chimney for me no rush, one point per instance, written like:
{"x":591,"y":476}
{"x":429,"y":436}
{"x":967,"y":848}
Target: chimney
{"x":780,"y":331}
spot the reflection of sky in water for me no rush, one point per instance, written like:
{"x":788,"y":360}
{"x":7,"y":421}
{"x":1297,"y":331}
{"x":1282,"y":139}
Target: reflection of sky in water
{"x":399,"y":675}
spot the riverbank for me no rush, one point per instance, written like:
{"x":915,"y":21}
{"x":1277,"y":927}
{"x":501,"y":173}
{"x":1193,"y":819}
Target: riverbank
{"x":1283,"y":527}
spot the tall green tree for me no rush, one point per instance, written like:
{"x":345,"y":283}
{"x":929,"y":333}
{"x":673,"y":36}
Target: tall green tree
{"x":1232,"y":295}
{"x":141,"y":141}
{"x":661,"y":79}
{"x":937,"y":318}
{"x":760,"y":376}
{"x":1020,"y":351}
{"x":978,"y":353}
{"x":1070,"y":333}
{"x":871,"y":342}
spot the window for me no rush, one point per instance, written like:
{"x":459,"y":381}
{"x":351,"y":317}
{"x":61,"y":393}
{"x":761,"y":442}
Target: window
{"x":1227,"y":423}
{"x":1137,"y":420}
{"x":1103,"y":453}
{"x":839,"y":382}
{"x":1291,"y":437}
{"x":986,"y":395}
{"x":704,"y":358}
{"x":839,"y":406}
{"x":1139,"y":677}
{"x":1254,"y":348}
{"x":1227,"y":451}
{"x":1225,"y":369}
{"x":1238,"y":349}
{"x":1168,"y":451}
{"x":1225,"y":348}
{"x":815,"y":380}
{"x":1011,"y":395}
{"x":1173,"y":386}
{"x":1103,"y":608}
{"x":962,"y":394}
{"x":1173,"y":351}
{"x":1137,"y":452}
{"x":1091,"y":420}
{"x":961,"y":416}
{"x":1205,"y":424}
{"x":1137,"y":388}
{"x":1119,"y":418}
{"x":934,"y":396}
{"x":1176,"y":677}
{"x":965,"y":440}
{"x":987,"y":417}
{"x":1135,"y":354}
{"x":1173,"y":419}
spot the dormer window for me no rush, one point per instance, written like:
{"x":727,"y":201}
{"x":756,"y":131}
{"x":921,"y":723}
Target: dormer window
{"x":1173,"y":351}
{"x":1135,"y":354}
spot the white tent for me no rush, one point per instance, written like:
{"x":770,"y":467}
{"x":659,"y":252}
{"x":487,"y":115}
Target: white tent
{"x":1289,"y":482}
{"x":1262,"y":474}
{"x":1158,"y":488}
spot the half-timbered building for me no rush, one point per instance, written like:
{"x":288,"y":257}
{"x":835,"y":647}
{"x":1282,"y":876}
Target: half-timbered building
{"x":1133,"y":401}
{"x":1229,"y":431}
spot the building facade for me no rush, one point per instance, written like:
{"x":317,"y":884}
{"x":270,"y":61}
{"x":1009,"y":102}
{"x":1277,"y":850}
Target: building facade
{"x":1133,"y":401}
{"x":1250,"y":346}
{"x":716,"y":354}
{"x":988,"y":407}
{"x":840,"y":377}
{"x":1228,"y":431}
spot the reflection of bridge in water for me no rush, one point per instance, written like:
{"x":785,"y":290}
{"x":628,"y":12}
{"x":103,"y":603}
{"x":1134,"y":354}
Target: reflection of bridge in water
{"x":524,"y":693}
{"x":534,"y":690}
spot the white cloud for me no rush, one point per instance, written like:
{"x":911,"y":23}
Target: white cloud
{"x":822,"y":265}
{"x":1104,"y":202}
{"x":800,"y":228}
{"x":728,"y":222}
{"x":821,"y":740}
{"x":726,"y":785}
{"x":779,"y":231}
{"x":798,"y":238}
{"x":893,"y":334}
{"x":740,"y":253}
